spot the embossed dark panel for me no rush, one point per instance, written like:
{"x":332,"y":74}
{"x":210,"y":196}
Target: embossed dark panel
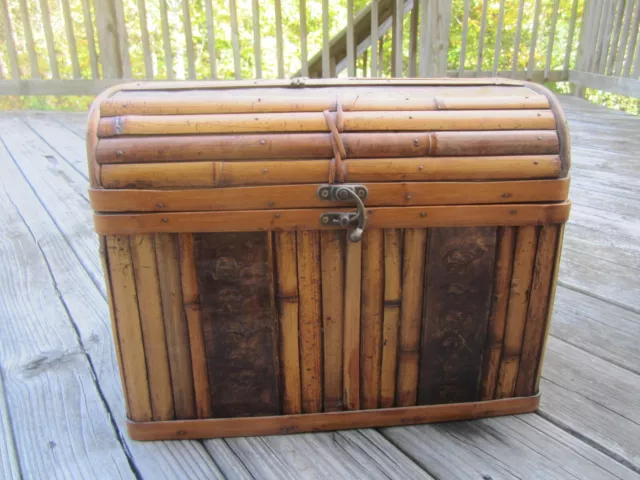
{"x":235,"y":279}
{"x":459,"y":279}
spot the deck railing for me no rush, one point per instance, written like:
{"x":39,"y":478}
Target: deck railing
{"x":79,"y":47}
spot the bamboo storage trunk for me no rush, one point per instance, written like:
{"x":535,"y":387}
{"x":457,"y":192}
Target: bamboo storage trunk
{"x":307,"y":255}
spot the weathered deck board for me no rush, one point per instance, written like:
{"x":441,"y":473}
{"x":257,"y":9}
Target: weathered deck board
{"x":587,"y":426}
{"x":9,"y":463}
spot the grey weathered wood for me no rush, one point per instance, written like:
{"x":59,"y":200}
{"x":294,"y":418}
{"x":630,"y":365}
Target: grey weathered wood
{"x":596,"y":32}
{"x":91,"y":42}
{"x":516,"y":42}
{"x":620,"y":85}
{"x":496,"y":54}
{"x":109,"y":41}
{"x":351,"y":41}
{"x":374,"y":35}
{"x":144,"y":37}
{"x":211,"y":39}
{"x":28,"y":37}
{"x":279,"y":39}
{"x":572,"y":29}
{"x":397,"y":55}
{"x":257,"y":48}
{"x":534,"y":39}
{"x":552,"y":35}
{"x":325,"y":40}
{"x":604,"y":37}
{"x":624,"y":37}
{"x":48,"y":35}
{"x":3,"y":69}
{"x":304,"y":54}
{"x":166,"y":39}
{"x":9,"y":463}
{"x":615,"y":36}
{"x":71,"y":38}
{"x":188,"y":38}
{"x":465,"y":36}
{"x":435,"y":23}
{"x":7,"y":29}
{"x":413,"y":39}
{"x":483,"y":27}
{"x":235,"y":39}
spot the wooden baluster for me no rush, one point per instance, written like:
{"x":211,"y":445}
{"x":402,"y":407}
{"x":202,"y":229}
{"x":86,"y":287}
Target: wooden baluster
{"x":235,"y":39}
{"x":211,"y":40}
{"x":144,"y":37}
{"x":166,"y":40}
{"x":279,"y":40}
{"x":552,"y":35}
{"x":304,"y":69}
{"x":534,"y":39}
{"x":483,"y":27}
{"x":496,"y":53}
{"x":188,"y":38}
{"x":257,"y":48}
{"x":516,"y":42}
{"x":28,"y":34}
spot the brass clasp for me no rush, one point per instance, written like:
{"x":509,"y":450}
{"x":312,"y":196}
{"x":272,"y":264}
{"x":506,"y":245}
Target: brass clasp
{"x":343,"y":193}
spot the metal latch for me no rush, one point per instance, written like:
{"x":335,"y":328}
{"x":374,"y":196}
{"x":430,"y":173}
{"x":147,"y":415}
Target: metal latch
{"x":345,"y":193}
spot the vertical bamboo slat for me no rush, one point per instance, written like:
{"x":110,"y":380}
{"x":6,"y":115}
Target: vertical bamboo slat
{"x":211,"y":39}
{"x":155,"y":343}
{"x":304,"y":66}
{"x":572,"y":29}
{"x":372,"y":297}
{"x":351,"y":319}
{"x":310,"y":320}
{"x":166,"y":39}
{"x":465,"y":36}
{"x":374,"y":37}
{"x":235,"y":39}
{"x":175,"y":325}
{"x":28,"y":36}
{"x":538,"y":309}
{"x":517,"y":310}
{"x":351,"y":46}
{"x":552,"y":35}
{"x":326,"y":67}
{"x":496,"y":53}
{"x":391,"y":315}
{"x":534,"y":39}
{"x":624,"y":37}
{"x":333,"y":251}
{"x":8,"y":38}
{"x":48,"y":35}
{"x":287,"y":302}
{"x":483,"y":27}
{"x":128,"y":330}
{"x":413,"y":39}
{"x":257,"y":47}
{"x":144,"y":37}
{"x":497,"y":319}
{"x":279,"y":40}
{"x":91,"y":43}
{"x":71,"y":38}
{"x":188,"y":38}
{"x":413,"y":274}
{"x":516,"y":42}
{"x":191,"y":302}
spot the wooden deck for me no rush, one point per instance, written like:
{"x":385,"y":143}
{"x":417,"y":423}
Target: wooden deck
{"x":61,"y":411}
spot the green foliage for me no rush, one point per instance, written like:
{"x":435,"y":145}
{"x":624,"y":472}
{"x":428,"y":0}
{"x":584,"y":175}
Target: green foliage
{"x":482,"y":55}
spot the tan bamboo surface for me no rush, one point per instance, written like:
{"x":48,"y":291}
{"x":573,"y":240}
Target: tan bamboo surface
{"x":415,"y":245}
{"x":143,"y":255}
{"x":305,"y":196}
{"x":184,"y":148}
{"x":287,"y":300}
{"x":519,"y":295}
{"x":371,"y":317}
{"x":393,"y":239}
{"x":175,"y":324}
{"x":506,"y":237}
{"x":386,"y":417}
{"x":308,"y":219}
{"x":191,"y":301}
{"x":351,"y":331}
{"x":315,"y":122}
{"x":332,"y":245}
{"x":310,"y":320}
{"x":431,"y":99}
{"x":539,"y":305}
{"x":255,"y":173}
{"x":128,"y":329}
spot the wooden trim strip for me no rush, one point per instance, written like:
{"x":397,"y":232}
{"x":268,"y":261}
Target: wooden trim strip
{"x":309,"y":219}
{"x":304,"y":196}
{"x":321,"y":422}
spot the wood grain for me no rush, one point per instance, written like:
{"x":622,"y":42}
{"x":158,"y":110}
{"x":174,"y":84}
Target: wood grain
{"x":393,"y":240}
{"x":519,"y":293}
{"x":310,"y":320}
{"x":457,"y":298}
{"x":371,"y":317}
{"x":413,"y":273}
{"x":191,"y":302}
{"x":288,"y":303}
{"x":332,"y":246}
{"x":143,"y":255}
{"x":240,"y":326}
{"x":505,"y":239}
{"x":351,"y":318}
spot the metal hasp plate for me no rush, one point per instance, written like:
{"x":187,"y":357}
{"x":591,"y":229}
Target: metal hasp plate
{"x":345,"y":193}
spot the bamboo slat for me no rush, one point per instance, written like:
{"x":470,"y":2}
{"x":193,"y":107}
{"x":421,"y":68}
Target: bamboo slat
{"x":287,"y":302}
{"x":534,"y":40}
{"x":48,"y":35}
{"x":71,"y":38}
{"x":552,"y":36}
{"x":305,"y":196}
{"x":191,"y":302}
{"x":257,"y":47}
{"x":496,"y":54}
{"x":304,"y":68}
{"x":211,"y":39}
{"x":371,"y":318}
{"x":483,"y":27}
{"x":539,"y":307}
{"x":155,"y":343}
{"x":279,"y":40}
{"x":415,"y":244}
{"x":516,"y":42}
{"x":615,"y":37}
{"x":624,"y":37}
{"x":523,"y":263}
{"x":188,"y":38}
{"x":235,"y":39}
{"x":572,"y":29}
{"x":333,"y":256}
{"x":393,"y":239}
{"x":166,"y":39}
{"x":91,"y":43}
{"x":375,"y":21}
{"x":175,"y":324}
{"x":28,"y":36}
{"x":144,"y":38}
{"x":351,"y":319}
{"x":310,"y":320}
{"x":495,"y":332}
{"x":465,"y":36}
{"x":128,"y":331}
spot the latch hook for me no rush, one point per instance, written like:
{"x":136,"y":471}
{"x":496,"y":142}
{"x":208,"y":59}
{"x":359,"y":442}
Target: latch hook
{"x":343,"y":193}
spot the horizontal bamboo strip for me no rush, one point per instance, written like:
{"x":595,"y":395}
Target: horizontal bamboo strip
{"x":237,"y":174}
{"x":305,"y":196}
{"x":309,"y":219}
{"x":427,"y":98}
{"x":315,"y":122}
{"x":298,"y":146}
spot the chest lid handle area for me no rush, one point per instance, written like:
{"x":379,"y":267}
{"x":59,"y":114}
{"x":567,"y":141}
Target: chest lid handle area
{"x":345,"y":193}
